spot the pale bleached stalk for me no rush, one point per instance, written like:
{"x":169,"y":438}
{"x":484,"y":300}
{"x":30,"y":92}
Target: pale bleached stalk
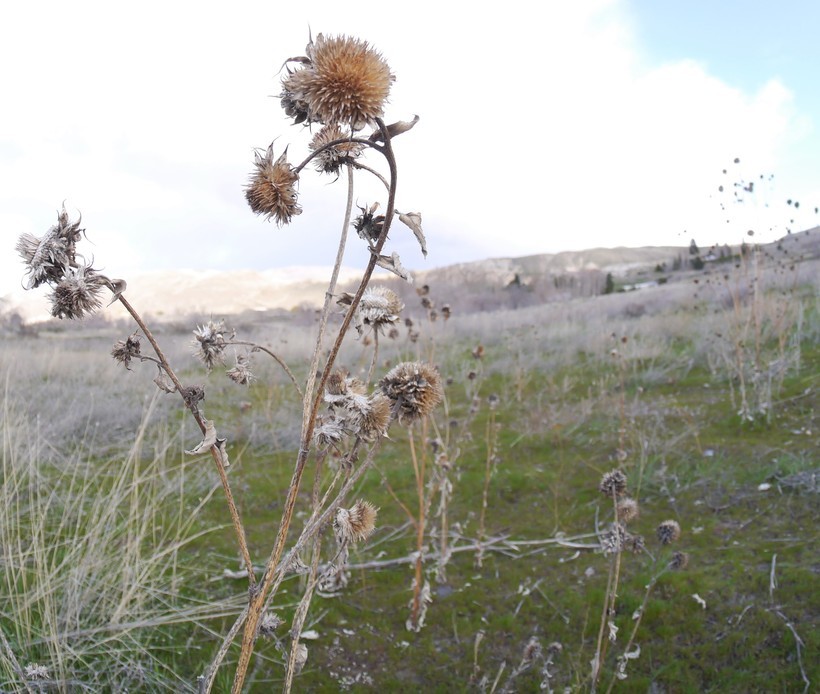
{"x":490,"y":441}
{"x":301,"y":614}
{"x":421,"y":524}
{"x":375,"y":356}
{"x":272,"y":566}
{"x":239,"y":529}
{"x":13,"y":660}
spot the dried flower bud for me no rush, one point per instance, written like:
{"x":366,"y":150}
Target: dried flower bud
{"x":77,"y":293}
{"x":271,"y":191}
{"x":268,"y":625}
{"x":331,"y":159}
{"x":613,"y":484}
{"x":492,"y":401}
{"x":209,"y":339}
{"x":679,"y":561}
{"x":241,"y":373}
{"x":478,"y":352}
{"x":356,"y":523}
{"x":125,"y":350}
{"x":668,"y":532}
{"x":532,"y":651}
{"x":369,"y":225}
{"x":414,"y":389}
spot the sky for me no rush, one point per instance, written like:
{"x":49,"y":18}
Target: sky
{"x":543,"y":127}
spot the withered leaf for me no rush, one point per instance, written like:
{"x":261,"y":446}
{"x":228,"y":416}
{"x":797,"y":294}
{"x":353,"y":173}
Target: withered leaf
{"x":394,"y":129}
{"x":208,"y":441}
{"x":413,"y":220}
{"x":392,"y":262}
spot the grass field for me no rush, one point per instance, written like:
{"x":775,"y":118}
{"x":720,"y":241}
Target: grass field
{"x":120,"y":570}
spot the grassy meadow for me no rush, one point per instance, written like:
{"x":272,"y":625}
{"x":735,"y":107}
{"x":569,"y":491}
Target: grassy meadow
{"x":120,"y":570}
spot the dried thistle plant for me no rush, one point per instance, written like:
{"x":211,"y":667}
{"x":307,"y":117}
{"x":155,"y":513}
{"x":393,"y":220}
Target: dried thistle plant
{"x":342,"y":83}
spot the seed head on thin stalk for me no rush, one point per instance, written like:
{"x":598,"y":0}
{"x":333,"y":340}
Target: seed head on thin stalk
{"x":77,"y":293}
{"x":613,"y":484}
{"x":48,"y":258}
{"x":378,"y":309}
{"x":209,"y":339}
{"x":628,"y":510}
{"x":414,"y":388}
{"x":668,"y":532}
{"x":271,"y":191}
{"x":125,"y":350}
{"x":356,"y":523}
{"x":331,"y":159}
{"x":343,"y":81}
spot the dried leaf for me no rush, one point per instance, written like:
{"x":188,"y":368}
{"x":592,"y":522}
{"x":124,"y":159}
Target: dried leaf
{"x":393,"y":263}
{"x":117,"y":287}
{"x":163,"y":383}
{"x":394,"y":129}
{"x":413,"y":220}
{"x":222,"y":445}
{"x":208,"y":441}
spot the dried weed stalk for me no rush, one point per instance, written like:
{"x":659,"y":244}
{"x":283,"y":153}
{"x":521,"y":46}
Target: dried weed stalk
{"x":339,"y":87}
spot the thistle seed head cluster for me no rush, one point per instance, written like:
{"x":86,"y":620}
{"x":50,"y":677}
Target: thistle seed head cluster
{"x":355,"y":524}
{"x":668,"y":532}
{"x":331,"y":158}
{"x":125,"y":350}
{"x":628,"y":510}
{"x":210,"y":343}
{"x":414,"y":389}
{"x":340,"y":81}
{"x":378,"y":309}
{"x":52,"y":260}
{"x":271,"y":191}
{"x":352,"y":411}
{"x":241,"y":373}
{"x":613,"y":484}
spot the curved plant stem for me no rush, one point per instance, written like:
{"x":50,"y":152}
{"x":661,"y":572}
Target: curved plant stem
{"x":215,"y":454}
{"x":275,"y":357}
{"x":266,"y":585}
{"x":375,"y":357}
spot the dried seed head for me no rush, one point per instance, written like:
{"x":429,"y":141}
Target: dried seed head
{"x":125,"y":350}
{"x":478,"y":352}
{"x":493,"y":400}
{"x":634,"y":543}
{"x":329,"y":432}
{"x":48,"y":258}
{"x":668,"y":532}
{"x":414,"y":389}
{"x":376,"y":421}
{"x":77,"y":293}
{"x":679,"y":561}
{"x":209,"y":339}
{"x":331,"y":159}
{"x":613,"y":484}
{"x":532,"y":651}
{"x":356,"y":523}
{"x":271,"y":191}
{"x":379,"y":307}
{"x":241,"y":373}
{"x":628,"y":510}
{"x":268,"y":625}
{"x":345,"y":82}
{"x":614,"y":539}
{"x":368,"y":224}
{"x":35,"y":671}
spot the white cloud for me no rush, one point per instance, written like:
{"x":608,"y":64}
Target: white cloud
{"x":541,"y":129}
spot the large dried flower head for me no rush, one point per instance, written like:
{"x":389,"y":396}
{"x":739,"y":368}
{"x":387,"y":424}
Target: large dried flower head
{"x":368,"y":224}
{"x":613,"y":484}
{"x":77,"y":293}
{"x":668,"y":532}
{"x":628,"y":510}
{"x":379,"y":307}
{"x":48,"y":258}
{"x":127,"y":349}
{"x":356,"y":523}
{"x":271,"y":191}
{"x":209,"y":339}
{"x":329,"y":432}
{"x":374,"y":423}
{"x":414,"y":388}
{"x":330,"y":159}
{"x":241,"y":373}
{"x":345,"y":81}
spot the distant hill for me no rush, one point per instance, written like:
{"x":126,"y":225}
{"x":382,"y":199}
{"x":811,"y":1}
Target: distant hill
{"x":476,"y":286}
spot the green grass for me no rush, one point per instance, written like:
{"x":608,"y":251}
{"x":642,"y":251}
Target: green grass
{"x":560,"y":427}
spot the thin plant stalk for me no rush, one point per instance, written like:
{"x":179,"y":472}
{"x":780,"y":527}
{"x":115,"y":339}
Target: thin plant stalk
{"x":260,"y":596}
{"x":239,"y":528}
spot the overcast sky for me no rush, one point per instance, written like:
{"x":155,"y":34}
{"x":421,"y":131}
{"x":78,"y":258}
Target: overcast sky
{"x":573,"y":125}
